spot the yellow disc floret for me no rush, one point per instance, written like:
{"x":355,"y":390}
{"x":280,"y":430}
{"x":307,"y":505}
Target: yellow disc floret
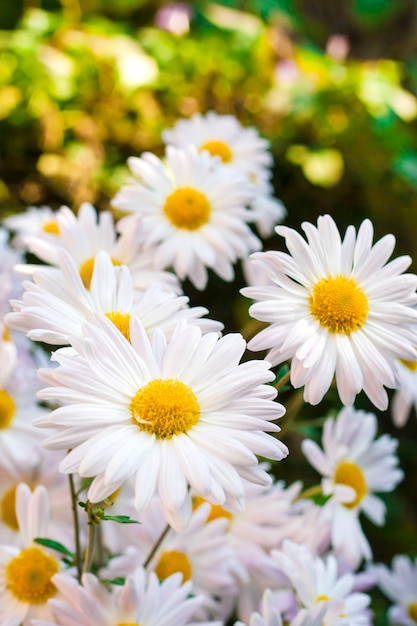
{"x":187,"y":208}
{"x":128,"y":624}
{"x":51,"y":227}
{"x":28,"y":576}
{"x":322,"y":598}
{"x":8,"y":509}
{"x":7,"y":409}
{"x":121,"y":321}
{"x":164,"y":408}
{"x":412,"y":611}
{"x":218,"y":148}
{"x":339,"y":304}
{"x":173,"y":561}
{"x":216,"y":510}
{"x":87,"y":268}
{"x":350,"y":474}
{"x":411,"y":365}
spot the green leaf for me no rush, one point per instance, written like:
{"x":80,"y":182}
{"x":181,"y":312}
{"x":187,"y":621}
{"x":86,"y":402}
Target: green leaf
{"x":55,"y":545}
{"x":115,"y":581}
{"x":120,"y":519}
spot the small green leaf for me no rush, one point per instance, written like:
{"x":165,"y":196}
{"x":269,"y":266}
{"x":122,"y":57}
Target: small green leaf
{"x":115,"y":581}
{"x":120,"y":519}
{"x":55,"y":545}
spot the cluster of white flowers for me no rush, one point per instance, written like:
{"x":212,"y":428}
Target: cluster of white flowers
{"x":167,"y":430}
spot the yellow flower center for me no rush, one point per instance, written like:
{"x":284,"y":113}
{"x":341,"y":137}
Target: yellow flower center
{"x":171,"y":562}
{"x":165,"y":407}
{"x":322,"y":598}
{"x":350,"y":474}
{"x":411,"y":365}
{"x":28,"y":576}
{"x":6,"y":334}
{"x":339,"y":304}
{"x":121,"y":321}
{"x":51,"y":227}
{"x":187,"y":208}
{"x":218,"y":148}
{"x":87,"y":268}
{"x":8,"y":509}
{"x":128,"y":624}
{"x":412,"y":611}
{"x":216,"y":510}
{"x":7,"y":409}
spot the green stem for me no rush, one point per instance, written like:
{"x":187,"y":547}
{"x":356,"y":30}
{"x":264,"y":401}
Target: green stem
{"x":76,"y":526}
{"x":283,"y":380}
{"x":156,"y":546}
{"x":89,"y":551}
{"x":293,"y":406}
{"x":311,"y":491}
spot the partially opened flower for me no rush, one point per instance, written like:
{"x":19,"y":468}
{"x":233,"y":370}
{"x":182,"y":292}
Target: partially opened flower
{"x":399,"y":584}
{"x":84,"y":235}
{"x":172,"y":414}
{"x":336,"y":308}
{"x":192,"y":210}
{"x":26,"y":574}
{"x":57,"y":304}
{"x":141,"y":600}
{"x":354,"y":465}
{"x":405,"y":397}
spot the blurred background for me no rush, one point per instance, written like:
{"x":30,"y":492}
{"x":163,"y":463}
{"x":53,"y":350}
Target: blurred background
{"x":84,"y":84}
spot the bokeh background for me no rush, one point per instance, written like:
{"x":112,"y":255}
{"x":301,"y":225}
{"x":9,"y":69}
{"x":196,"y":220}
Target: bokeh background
{"x":84,"y":84}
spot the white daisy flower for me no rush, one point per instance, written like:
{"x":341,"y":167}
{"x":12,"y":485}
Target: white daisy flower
{"x":336,"y":308}
{"x":169,"y":413}
{"x":26,"y":575}
{"x":10,"y":283}
{"x":192,"y":210}
{"x":46,"y":473}
{"x":316,"y":580}
{"x":201,"y":553}
{"x":405,"y":397}
{"x":354,"y":465}
{"x":400,"y":585}
{"x":270,"y":615}
{"x":31,"y":223}
{"x":141,"y":600}
{"x":57,"y":304}
{"x":240,"y":149}
{"x":84,"y":235}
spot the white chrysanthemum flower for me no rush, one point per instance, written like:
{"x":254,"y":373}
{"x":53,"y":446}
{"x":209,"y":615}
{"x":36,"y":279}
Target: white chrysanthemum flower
{"x":400,"y":585}
{"x":45,"y":473}
{"x":354,"y":465}
{"x":240,"y":149}
{"x":169,"y":413}
{"x":84,"y":235}
{"x":201,"y":553}
{"x":33,"y":222}
{"x":192,"y":210}
{"x":405,"y":397}
{"x":26,"y":575}
{"x":57,"y":304}
{"x":270,"y":616}
{"x":336,"y":308}
{"x":10,"y":283}
{"x":316,"y":580}
{"x":20,"y":443}
{"x":141,"y":600}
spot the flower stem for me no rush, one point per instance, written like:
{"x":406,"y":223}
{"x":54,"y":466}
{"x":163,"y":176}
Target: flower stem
{"x":92,"y":523}
{"x":156,"y":546}
{"x":76,"y":526}
{"x":310,"y":492}
{"x":283,"y":380}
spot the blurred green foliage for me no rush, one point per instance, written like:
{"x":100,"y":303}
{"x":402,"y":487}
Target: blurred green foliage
{"x":86,"y":84}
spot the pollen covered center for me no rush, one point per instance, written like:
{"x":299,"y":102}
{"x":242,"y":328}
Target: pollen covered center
{"x":218,"y":148}
{"x":8,"y":509}
{"x":339,"y":304}
{"x":187,"y":208}
{"x":410,"y":365}
{"x":28,"y":576}
{"x":173,"y":561}
{"x":412,"y":611}
{"x":87,"y":268}
{"x":121,"y":321}
{"x":216,"y":511}
{"x":165,"y":407}
{"x":51,"y":227}
{"x":350,"y":474}
{"x":7,"y":409}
